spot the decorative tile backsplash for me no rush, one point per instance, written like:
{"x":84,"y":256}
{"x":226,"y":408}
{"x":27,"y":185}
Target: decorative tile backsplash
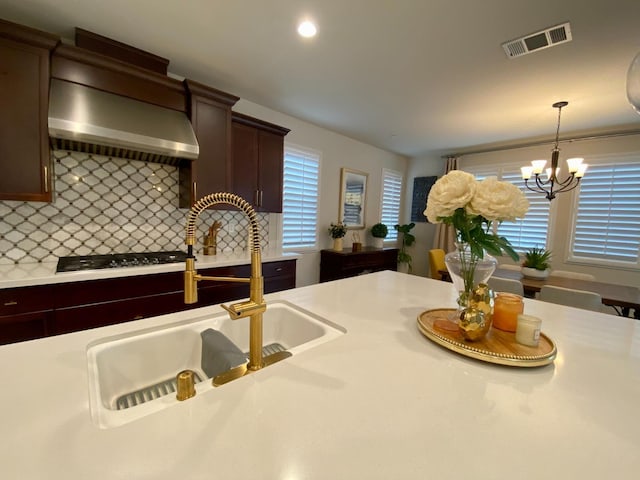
{"x":110,"y":205}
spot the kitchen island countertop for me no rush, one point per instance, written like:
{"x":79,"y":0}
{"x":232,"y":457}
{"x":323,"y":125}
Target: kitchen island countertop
{"x":31,"y":274}
{"x":379,"y":402}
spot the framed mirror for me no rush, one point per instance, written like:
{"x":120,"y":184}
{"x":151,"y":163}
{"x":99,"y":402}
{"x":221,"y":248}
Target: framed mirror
{"x":353,"y":198}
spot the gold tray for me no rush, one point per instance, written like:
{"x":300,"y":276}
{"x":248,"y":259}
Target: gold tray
{"x":497,"y":347}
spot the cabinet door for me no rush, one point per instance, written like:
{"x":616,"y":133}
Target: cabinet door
{"x":245,"y":162}
{"x":271,"y":155}
{"x":210,"y":114}
{"x":24,"y":96}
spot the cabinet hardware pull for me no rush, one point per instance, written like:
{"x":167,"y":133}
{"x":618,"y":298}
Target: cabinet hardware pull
{"x":260,"y":203}
{"x":138,"y":317}
{"x":257,"y":198}
{"x":278,"y":269}
{"x":46,"y":179}
{"x":195,"y":191}
{"x":10,"y":303}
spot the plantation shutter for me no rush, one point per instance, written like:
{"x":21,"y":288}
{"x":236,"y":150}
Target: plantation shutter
{"x":300,"y":198}
{"x":606,"y":222}
{"x":391,"y":194}
{"x":530,"y":231}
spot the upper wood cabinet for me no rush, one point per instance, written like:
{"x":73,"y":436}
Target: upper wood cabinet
{"x":24,"y":95}
{"x":210,"y":113}
{"x":258,"y":159}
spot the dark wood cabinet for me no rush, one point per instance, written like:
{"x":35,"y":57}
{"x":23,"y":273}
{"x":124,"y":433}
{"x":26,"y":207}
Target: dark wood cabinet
{"x":25,"y":313}
{"x":335,"y":265}
{"x":24,"y":95}
{"x":34,"y":312}
{"x":210,"y":113}
{"x":258,"y":159}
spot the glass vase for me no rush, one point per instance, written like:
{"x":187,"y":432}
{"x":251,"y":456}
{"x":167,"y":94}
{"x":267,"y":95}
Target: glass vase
{"x":467,"y":270}
{"x":475,"y":301}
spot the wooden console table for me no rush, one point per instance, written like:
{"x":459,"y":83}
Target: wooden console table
{"x":335,"y":265}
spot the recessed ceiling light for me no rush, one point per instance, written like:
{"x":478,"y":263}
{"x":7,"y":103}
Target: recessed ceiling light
{"x":307,"y":29}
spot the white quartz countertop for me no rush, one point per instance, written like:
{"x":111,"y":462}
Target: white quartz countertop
{"x":379,"y":402}
{"x":29,"y":274}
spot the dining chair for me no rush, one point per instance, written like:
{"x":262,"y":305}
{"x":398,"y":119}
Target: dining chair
{"x":572,"y":298}
{"x":436,"y":263}
{"x":498,"y":284}
{"x":576,"y":275}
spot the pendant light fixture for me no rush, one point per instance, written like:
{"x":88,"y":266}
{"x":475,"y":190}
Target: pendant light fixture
{"x":633,"y":83}
{"x":552,"y":184}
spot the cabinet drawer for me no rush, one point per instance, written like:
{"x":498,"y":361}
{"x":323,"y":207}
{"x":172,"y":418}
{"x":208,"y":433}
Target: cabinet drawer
{"x":98,"y":291}
{"x":109,"y":313}
{"x":28,"y":326}
{"x":14,"y":301}
{"x":275,"y":269}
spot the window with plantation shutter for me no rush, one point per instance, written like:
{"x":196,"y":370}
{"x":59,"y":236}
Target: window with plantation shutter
{"x":300,"y":198}
{"x":606,"y":220}
{"x":530,"y":231}
{"x":390,"y":203}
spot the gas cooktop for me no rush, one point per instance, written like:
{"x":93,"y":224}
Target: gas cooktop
{"x":118,"y":260}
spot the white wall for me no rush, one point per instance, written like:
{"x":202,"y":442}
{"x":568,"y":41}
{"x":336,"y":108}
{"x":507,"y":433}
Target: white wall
{"x":562,"y":205}
{"x":337,"y":151}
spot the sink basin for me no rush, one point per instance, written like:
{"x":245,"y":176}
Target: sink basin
{"x":130,"y":375}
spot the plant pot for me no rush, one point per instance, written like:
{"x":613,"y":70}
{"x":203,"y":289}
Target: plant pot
{"x":403,"y":267}
{"x":337,"y":244}
{"x":378,"y":242}
{"x":533,"y":273}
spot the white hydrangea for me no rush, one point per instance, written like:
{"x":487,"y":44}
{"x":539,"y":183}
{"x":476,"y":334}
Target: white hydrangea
{"x":495,"y":200}
{"x":452,"y":191}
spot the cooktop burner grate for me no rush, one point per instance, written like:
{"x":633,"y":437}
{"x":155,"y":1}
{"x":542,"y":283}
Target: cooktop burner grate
{"x":118,"y":260}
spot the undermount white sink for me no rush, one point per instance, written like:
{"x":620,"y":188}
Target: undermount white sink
{"x":120,"y":365}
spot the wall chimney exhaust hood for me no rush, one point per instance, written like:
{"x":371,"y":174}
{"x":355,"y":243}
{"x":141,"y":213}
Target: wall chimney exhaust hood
{"x":92,"y":121}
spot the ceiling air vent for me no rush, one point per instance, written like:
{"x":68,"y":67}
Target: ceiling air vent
{"x":546,"y":38}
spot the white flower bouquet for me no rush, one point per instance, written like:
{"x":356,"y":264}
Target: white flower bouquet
{"x":471,"y":207}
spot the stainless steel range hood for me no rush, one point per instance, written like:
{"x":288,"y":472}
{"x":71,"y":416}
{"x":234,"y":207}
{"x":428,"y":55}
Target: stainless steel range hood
{"x":89,"y":120}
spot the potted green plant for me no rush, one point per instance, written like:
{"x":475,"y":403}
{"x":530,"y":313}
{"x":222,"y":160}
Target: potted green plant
{"x":536,"y":263}
{"x":408,"y":239}
{"x":337,"y":231}
{"x":379,"y":231}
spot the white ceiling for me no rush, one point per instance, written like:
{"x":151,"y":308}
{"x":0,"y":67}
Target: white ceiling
{"x":414,"y":77}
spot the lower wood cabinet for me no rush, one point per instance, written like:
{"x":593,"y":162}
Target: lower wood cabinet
{"x":35,"y":312}
{"x":335,"y":265}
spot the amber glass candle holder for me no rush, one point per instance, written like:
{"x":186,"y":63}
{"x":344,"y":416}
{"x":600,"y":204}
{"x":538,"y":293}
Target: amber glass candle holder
{"x":506,"y":308}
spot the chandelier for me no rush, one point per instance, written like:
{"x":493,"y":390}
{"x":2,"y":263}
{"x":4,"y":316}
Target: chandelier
{"x":552,"y":184}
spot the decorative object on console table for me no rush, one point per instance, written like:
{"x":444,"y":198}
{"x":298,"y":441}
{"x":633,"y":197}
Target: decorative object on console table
{"x":336,"y":265}
{"x":536,"y":263}
{"x":356,"y":244}
{"x":379,"y":232}
{"x":408,"y":239}
{"x":337,"y":231}
{"x":471,"y":207}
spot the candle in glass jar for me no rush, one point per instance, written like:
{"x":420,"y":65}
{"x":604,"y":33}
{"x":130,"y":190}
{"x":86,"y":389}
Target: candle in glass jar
{"x":528,"y":330}
{"x":506,"y":308}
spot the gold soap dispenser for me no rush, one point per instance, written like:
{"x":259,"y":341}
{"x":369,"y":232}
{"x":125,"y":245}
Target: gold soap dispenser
{"x":211,"y":240}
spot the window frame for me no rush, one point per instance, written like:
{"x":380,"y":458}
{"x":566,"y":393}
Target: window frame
{"x":392,"y":236}
{"x":498,"y":171}
{"x":572,"y":258}
{"x":301,"y":151}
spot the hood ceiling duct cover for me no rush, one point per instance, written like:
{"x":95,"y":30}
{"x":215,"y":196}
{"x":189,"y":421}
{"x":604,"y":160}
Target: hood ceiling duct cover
{"x":89,"y":120}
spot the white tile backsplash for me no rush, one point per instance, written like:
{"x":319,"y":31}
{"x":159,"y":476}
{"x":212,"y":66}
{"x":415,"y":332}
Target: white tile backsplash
{"x":110,"y":205}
